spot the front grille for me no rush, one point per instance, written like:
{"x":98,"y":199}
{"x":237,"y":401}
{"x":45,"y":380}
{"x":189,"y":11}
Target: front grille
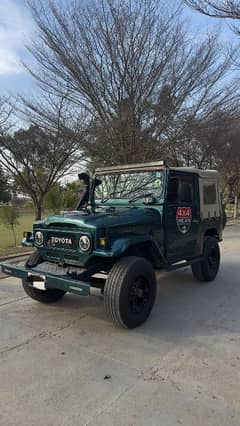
{"x":61,"y":255}
{"x":60,"y":240}
{"x":71,"y":257}
{"x":62,"y":246}
{"x":54,"y":268}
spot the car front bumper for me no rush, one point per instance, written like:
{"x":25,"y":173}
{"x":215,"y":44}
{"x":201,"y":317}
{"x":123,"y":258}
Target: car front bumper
{"x":41,"y":279}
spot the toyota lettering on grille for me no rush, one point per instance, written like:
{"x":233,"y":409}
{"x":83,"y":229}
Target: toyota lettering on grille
{"x":61,"y":240}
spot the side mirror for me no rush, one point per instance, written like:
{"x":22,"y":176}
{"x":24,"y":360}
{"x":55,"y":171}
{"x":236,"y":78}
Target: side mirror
{"x":28,"y":235}
{"x":27,"y":239}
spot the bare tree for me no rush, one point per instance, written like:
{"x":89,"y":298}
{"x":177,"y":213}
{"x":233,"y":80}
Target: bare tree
{"x":214,"y":144}
{"x":204,"y":141}
{"x":217,"y":8}
{"x":5,"y":194}
{"x":227,"y":155}
{"x":134,"y":71}
{"x":5,"y":114}
{"x":229,"y":9}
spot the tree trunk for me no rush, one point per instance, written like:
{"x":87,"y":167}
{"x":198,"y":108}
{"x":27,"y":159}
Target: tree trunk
{"x":38,"y":209}
{"x":236,"y":200}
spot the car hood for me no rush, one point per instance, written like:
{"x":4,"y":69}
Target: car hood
{"x":130,"y":216}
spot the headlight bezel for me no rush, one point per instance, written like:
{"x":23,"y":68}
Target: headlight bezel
{"x":87,"y":239}
{"x":41,"y":235}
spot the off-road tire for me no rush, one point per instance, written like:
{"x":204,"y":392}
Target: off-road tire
{"x":206,"y":270}
{"x":44,"y":296}
{"x":130,"y":291}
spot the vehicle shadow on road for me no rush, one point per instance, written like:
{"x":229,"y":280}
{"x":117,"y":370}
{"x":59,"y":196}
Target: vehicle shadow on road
{"x":184,"y":307}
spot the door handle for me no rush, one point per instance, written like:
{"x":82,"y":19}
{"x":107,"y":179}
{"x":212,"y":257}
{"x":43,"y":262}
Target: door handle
{"x":195,"y":221}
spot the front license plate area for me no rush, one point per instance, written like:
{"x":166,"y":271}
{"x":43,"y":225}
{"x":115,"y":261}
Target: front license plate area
{"x":40,"y":285}
{"x":38,"y":282}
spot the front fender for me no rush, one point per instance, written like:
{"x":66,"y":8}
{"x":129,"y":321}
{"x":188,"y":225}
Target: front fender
{"x":120,"y":245}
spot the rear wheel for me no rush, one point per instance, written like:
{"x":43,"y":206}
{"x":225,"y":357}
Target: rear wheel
{"x":130,"y":291}
{"x":207,"y":269}
{"x":45,"y":296}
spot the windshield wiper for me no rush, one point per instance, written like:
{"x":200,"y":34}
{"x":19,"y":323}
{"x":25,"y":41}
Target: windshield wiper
{"x":148,"y":194}
{"x":132,"y":200}
{"x":105,"y":199}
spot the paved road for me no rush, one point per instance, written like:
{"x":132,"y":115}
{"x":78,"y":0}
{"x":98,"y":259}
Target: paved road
{"x":181,"y":368}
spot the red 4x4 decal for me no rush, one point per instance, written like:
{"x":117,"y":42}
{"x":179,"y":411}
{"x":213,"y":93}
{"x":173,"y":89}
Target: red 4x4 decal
{"x":184,"y":212}
{"x":184,"y":219}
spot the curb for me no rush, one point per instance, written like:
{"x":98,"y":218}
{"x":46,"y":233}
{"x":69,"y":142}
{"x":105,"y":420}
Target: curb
{"x":15,"y":256}
{"x":233,"y":222}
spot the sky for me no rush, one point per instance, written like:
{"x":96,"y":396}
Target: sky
{"x":17,"y":28}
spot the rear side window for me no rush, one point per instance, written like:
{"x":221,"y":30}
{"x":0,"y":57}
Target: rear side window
{"x":181,"y":189}
{"x":209,"y":194}
{"x":186,"y":188}
{"x":173,"y":185}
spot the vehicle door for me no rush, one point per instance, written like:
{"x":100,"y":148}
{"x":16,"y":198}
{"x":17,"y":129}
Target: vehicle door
{"x":182,"y":217}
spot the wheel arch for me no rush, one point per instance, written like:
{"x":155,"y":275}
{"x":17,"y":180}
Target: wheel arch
{"x":212,"y":232}
{"x":146,"y":249}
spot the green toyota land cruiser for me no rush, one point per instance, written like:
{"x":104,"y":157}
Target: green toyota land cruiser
{"x":130,"y":221}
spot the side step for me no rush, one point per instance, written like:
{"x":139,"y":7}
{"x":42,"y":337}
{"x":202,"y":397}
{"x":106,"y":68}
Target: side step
{"x":181,"y":264}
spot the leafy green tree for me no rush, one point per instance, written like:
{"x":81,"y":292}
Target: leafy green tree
{"x":72,"y":194}
{"x":36,"y":159}
{"x":63,"y":197}
{"x":55,"y":199}
{"x":9,"y":215}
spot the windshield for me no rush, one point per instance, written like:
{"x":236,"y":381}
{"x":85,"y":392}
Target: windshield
{"x":130,"y":185}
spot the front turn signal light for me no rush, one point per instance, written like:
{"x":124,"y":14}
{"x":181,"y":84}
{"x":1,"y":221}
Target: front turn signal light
{"x":102,"y":242}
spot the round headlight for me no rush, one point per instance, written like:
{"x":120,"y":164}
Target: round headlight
{"x":84,"y":243}
{"x":39,"y":238}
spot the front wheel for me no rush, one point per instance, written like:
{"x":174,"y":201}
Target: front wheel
{"x":50,"y":295}
{"x":207,"y":269}
{"x":130,"y":292}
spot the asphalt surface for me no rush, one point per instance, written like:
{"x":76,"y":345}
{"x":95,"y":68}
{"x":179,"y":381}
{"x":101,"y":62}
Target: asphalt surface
{"x":66,"y":364}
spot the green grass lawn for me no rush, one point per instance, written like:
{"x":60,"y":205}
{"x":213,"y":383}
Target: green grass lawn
{"x":6,"y":237}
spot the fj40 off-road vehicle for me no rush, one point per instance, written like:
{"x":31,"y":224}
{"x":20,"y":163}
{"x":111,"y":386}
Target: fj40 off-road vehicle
{"x":130,"y":220}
